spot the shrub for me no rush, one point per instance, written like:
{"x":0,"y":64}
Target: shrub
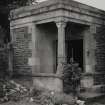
{"x":71,"y":77}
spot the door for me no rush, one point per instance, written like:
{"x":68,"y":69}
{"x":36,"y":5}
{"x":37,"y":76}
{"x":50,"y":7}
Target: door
{"x":75,"y":50}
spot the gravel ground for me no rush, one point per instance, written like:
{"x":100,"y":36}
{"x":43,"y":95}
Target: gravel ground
{"x":27,"y":102}
{"x":23,"y":102}
{"x":32,"y":103}
{"x":18,"y":103}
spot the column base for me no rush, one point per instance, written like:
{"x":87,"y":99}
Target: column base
{"x":60,"y":69}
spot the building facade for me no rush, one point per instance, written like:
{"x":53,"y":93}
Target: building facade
{"x":49,"y":33}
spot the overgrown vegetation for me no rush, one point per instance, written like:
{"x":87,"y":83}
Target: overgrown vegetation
{"x":11,"y":4}
{"x":10,"y":91}
{"x":42,"y":96}
{"x":3,"y":63}
{"x":71,"y":78}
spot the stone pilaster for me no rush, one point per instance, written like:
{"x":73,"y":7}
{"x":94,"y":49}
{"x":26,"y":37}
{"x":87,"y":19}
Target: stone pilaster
{"x":89,"y":46}
{"x":34,"y":61}
{"x":61,"y":46}
{"x":93,"y":46}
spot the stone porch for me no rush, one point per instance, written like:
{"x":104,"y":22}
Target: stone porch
{"x":40,"y":33}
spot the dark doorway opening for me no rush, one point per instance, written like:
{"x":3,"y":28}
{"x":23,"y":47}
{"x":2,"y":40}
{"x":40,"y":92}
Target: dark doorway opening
{"x":75,"y":51}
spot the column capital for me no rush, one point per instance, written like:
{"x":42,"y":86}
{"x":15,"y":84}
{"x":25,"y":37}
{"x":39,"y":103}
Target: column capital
{"x":61,"y":24}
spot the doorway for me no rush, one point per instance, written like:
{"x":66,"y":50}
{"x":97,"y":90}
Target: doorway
{"x":75,"y":51}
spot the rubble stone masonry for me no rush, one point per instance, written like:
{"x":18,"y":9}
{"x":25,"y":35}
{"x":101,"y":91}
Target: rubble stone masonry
{"x":22,"y":50}
{"x":100,"y":55}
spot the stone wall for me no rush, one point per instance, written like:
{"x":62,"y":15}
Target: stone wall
{"x":22,"y":50}
{"x":47,"y":36}
{"x":100,"y":55}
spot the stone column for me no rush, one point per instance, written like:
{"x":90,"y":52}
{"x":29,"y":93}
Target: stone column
{"x":61,"y":46}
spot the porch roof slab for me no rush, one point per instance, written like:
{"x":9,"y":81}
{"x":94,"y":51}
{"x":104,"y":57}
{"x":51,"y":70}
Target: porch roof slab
{"x":57,"y":10}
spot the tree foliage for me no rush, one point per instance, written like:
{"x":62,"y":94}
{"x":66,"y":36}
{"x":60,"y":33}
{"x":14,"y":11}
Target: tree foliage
{"x":19,"y":2}
{"x":15,"y":3}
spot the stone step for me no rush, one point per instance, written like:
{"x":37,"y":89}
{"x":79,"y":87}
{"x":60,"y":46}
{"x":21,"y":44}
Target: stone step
{"x":93,"y":93}
{"x":91,"y":96}
{"x":96,"y":88}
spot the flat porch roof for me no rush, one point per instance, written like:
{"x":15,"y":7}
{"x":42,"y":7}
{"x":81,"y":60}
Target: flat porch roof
{"x":57,"y":10}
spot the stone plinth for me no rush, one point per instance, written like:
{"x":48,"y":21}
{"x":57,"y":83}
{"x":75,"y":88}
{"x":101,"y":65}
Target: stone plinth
{"x":48,"y":81}
{"x":87,"y":80}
